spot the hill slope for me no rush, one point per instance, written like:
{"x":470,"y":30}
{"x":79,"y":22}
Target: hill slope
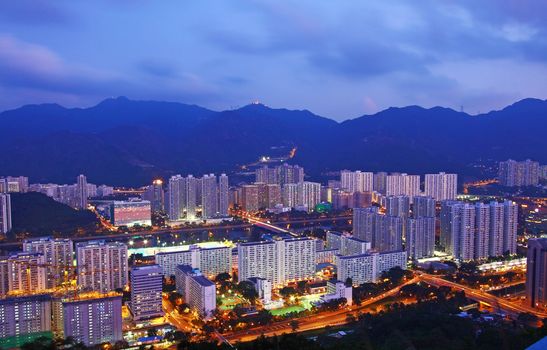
{"x":125,"y":142}
{"x":40,"y":215}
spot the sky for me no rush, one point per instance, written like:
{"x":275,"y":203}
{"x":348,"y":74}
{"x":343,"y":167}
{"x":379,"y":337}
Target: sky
{"x":339,"y":59}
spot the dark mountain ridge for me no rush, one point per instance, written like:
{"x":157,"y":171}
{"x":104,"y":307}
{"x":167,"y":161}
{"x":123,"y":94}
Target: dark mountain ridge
{"x":125,"y":142}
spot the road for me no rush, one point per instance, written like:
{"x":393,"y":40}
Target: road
{"x":500,"y":303}
{"x":338,"y":317}
{"x":175,"y":318}
{"x":316,"y":321}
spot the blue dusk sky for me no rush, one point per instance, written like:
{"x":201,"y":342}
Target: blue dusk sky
{"x":339,"y":59}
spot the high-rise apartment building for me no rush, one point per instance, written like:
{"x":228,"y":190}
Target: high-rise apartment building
{"x":250,"y":198}
{"x":420,"y":237}
{"x":383,"y":231}
{"x":482,"y":231}
{"x":510,"y":222}
{"x":223,"y":195}
{"x":290,"y":174}
{"x":155,"y":195}
{"x":403,"y":184}
{"x":210,"y":260}
{"x":441,"y":186}
{"x":146,"y":289}
{"x":58,"y":256}
{"x":380,"y":182}
{"x":495,"y":240}
{"x":461,"y":237}
{"x":182,"y":194}
{"x":25,"y":316}
{"x":102,"y":266}
{"x":273,"y":196}
{"x":91,"y":319}
{"x":423,"y":206}
{"x":398,"y":206}
{"x":277,"y":261}
{"x":197,"y":291}
{"x":356,"y":181}
{"x":347,"y":245}
{"x":478,"y":231}
{"x":4,"y":276}
{"x":512,"y":173}
{"x":81,"y":192}
{"x":363,"y":222}
{"x":536,"y":273}
{"x":27,"y":272}
{"x":12,"y":184}
{"x":281,"y":175}
{"x":388,"y":233}
{"x":290,"y":195}
{"x":366,"y":268}
{"x":5,"y":213}
{"x":209,"y":196}
{"x":309,"y":194}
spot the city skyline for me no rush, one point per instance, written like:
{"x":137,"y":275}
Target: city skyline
{"x":268,"y":174}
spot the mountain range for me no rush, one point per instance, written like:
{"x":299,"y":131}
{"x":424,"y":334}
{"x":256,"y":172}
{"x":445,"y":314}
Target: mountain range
{"x":126,"y":142}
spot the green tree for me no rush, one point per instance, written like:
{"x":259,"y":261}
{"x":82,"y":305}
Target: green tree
{"x":247,"y":291}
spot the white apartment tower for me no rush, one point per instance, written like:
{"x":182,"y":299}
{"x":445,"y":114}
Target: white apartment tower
{"x":5,"y":213}
{"x":58,"y":255}
{"x":223,"y":195}
{"x":27,"y":272}
{"x":423,"y":207}
{"x":366,"y":268}
{"x":82,"y":192}
{"x":403,"y":184}
{"x":102,"y":266}
{"x":495,"y":241}
{"x":290,"y":195}
{"x":309,"y":194}
{"x":510,"y":220}
{"x":420,"y":238}
{"x":182,"y":198}
{"x":363,"y":222}
{"x":209,"y":196}
{"x":441,"y":186}
{"x":356,"y":181}
{"x":278,"y":261}
{"x":482,"y":231}
{"x":198,"y":291}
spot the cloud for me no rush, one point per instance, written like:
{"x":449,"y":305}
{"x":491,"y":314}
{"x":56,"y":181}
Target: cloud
{"x":38,"y":73}
{"x":35,"y":12}
{"x":341,"y":58}
{"x":33,"y":66}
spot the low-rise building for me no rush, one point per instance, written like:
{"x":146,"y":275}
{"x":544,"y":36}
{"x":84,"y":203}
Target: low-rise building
{"x":196,"y":289}
{"x":366,"y":268}
{"x":337,"y":290}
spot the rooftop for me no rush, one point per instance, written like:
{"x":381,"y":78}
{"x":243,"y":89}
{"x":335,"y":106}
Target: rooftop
{"x":203,"y":281}
{"x":151,"y":251}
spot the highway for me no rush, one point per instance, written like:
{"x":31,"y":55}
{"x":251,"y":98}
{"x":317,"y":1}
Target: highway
{"x":500,"y":303}
{"x":338,"y":317}
{"x":316,"y":321}
{"x":175,"y":318}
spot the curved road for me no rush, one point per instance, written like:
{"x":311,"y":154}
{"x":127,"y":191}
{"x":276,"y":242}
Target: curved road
{"x":321,"y":320}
